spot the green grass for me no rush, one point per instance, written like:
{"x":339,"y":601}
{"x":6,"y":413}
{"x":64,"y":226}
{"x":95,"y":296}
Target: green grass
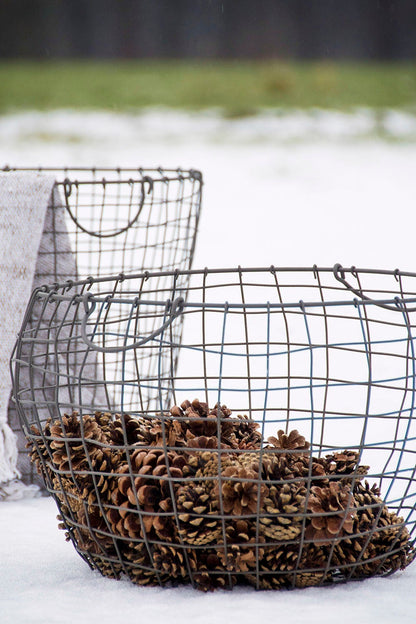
{"x":238,"y":88}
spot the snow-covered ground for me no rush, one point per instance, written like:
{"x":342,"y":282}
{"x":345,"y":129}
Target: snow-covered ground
{"x":44,"y":581}
{"x":294,"y":189}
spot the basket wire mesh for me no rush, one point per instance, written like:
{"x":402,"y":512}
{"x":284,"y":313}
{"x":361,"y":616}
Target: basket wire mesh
{"x":116,"y":219}
{"x":279,"y":450}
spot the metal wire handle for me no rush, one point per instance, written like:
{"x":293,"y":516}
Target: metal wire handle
{"x":174,"y":308}
{"x":339,"y":274}
{"x":67,"y":184}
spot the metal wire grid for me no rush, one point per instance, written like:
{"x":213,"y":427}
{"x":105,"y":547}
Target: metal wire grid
{"x":328,"y":352}
{"x":127,"y":219}
{"x":120,"y":220}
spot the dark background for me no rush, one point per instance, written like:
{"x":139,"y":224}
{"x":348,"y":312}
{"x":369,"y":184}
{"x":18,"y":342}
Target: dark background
{"x":300,"y":29}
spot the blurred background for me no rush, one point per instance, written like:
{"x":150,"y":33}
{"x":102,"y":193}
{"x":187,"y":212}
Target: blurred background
{"x":303,"y":29}
{"x":300,"y":112}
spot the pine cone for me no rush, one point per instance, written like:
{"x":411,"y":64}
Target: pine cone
{"x":108,"y":565}
{"x":390,"y":550}
{"x":276,"y":565}
{"x":74,"y":442}
{"x":241,"y":491}
{"x":289,"y":442}
{"x":243,"y":547}
{"x":139,"y":566}
{"x":243,"y":433}
{"x":125,"y":429}
{"x":345,"y":463}
{"x":315,"y":466}
{"x":197,"y":418}
{"x":82,"y":501}
{"x":199,"y":421}
{"x":58,"y":434}
{"x":210,"y":573}
{"x":281,"y":567}
{"x":333,"y":512}
{"x":370,"y":507}
{"x":142,"y":500}
{"x":81,"y":479}
{"x":40,"y":454}
{"x":284,"y":508}
{"x":382,"y":544}
{"x":195,"y":506}
{"x":200,"y":499}
{"x":196,"y":501}
{"x":202,"y":442}
{"x":174,"y":561}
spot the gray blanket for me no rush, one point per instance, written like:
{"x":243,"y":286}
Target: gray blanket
{"x":34,"y":249}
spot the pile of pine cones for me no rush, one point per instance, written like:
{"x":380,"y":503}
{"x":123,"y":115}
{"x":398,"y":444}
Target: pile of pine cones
{"x":196,"y":496}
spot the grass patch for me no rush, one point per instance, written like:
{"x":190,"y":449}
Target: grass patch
{"x":238,"y":88}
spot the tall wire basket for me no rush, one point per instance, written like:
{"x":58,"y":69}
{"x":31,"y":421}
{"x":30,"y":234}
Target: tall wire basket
{"x":117,"y":220}
{"x":278,"y":451}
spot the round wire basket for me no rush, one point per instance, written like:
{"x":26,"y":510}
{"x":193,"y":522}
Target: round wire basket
{"x":273,"y":444}
{"x":133,"y":219}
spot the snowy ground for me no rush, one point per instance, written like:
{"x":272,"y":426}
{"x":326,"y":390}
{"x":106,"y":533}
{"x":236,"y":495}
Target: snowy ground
{"x":44,"y":581}
{"x":286,"y":190}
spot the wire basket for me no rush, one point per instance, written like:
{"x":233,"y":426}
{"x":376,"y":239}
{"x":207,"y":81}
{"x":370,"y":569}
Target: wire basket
{"x":279,"y":451}
{"x":120,"y":220}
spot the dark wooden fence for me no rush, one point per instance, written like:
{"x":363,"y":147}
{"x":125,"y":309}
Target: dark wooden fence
{"x":305,"y":29}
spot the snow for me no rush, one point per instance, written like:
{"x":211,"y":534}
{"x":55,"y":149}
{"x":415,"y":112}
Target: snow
{"x":284,"y":189}
{"x":43,"y":580}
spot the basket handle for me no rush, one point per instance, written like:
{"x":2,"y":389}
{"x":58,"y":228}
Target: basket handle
{"x":67,"y":184}
{"x":174,"y":309}
{"x":339,"y":274}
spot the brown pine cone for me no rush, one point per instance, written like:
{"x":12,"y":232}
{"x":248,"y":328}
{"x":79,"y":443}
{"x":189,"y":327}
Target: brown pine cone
{"x":343,"y":464}
{"x":388,"y":551}
{"x":195,"y":507}
{"x":282,"y":514}
{"x":278,"y":467}
{"x":245,"y":433}
{"x":312,"y":565}
{"x":279,"y":561}
{"x":382,"y":544}
{"x":202,"y":442}
{"x":40,"y":453}
{"x":332,"y":513}
{"x":196,"y":502}
{"x":282,"y":567}
{"x":139,"y":566}
{"x":141,"y":501}
{"x":289,"y":442}
{"x":316,"y":466}
{"x":197,"y":418}
{"x":83,"y":500}
{"x":241,"y":493}
{"x":200,"y":421}
{"x":174,"y":561}
{"x":125,"y":429}
{"x":210,"y":573}
{"x":243,"y":546}
{"x":108,"y":565}
{"x":370,"y":507}
{"x":74,"y":442}
{"x":82,"y":492}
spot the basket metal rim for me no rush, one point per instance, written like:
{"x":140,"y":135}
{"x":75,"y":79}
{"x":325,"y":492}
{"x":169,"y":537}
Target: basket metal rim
{"x":239,"y":269}
{"x":400,"y":303}
{"x":396,"y":303}
{"x":157,"y":174}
